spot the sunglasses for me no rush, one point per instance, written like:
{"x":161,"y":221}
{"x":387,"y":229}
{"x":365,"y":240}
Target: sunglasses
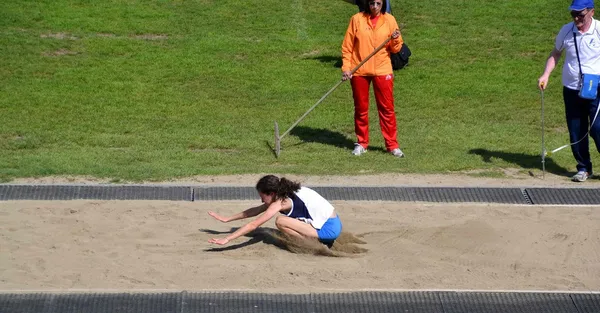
{"x":580,"y":14}
{"x":373,"y":3}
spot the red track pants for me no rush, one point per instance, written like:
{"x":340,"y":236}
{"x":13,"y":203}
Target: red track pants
{"x":383,"y":87}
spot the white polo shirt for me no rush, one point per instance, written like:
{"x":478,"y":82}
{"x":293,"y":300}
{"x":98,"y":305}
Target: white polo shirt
{"x":588,"y":44}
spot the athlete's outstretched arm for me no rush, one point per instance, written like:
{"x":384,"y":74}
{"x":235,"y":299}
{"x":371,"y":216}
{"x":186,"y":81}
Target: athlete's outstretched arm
{"x":242,"y":215}
{"x":273,"y":209}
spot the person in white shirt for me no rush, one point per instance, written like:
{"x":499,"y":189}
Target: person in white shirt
{"x":304,"y":213}
{"x":583,"y":58}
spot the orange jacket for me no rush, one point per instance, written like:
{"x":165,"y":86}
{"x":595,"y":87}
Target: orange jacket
{"x":361,"y":39}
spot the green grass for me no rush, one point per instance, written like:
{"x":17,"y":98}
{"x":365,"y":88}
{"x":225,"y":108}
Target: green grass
{"x":151,"y":90}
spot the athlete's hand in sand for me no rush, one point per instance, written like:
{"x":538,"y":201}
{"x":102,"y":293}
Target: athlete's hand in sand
{"x":218,"y":217}
{"x":219,"y":241}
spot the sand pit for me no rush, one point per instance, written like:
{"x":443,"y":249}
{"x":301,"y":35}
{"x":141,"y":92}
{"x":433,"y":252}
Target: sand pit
{"x":83,"y":245}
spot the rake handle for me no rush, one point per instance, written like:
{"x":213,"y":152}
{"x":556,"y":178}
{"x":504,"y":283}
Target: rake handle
{"x":336,"y":85}
{"x":543,"y":142}
{"x":311,"y":108}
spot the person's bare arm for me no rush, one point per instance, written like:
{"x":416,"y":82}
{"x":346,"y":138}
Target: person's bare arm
{"x":273,"y":209}
{"x":242,"y":215}
{"x":550,"y":65}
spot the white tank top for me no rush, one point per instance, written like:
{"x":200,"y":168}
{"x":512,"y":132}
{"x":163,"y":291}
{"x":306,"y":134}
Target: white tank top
{"x":310,"y":207}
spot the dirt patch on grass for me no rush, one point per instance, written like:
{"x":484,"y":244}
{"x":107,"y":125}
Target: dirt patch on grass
{"x":59,"y":36}
{"x":59,"y":52}
{"x":151,"y":37}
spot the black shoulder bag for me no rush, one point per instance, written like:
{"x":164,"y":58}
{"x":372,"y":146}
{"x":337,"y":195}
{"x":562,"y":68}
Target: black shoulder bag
{"x":400,"y":58}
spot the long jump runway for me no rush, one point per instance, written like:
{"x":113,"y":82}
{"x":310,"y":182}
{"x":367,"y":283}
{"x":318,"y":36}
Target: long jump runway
{"x":433,"y":301}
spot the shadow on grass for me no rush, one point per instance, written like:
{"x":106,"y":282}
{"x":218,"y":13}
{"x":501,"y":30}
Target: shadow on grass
{"x":271,"y":146}
{"x":526,"y":161}
{"x":318,"y":135}
{"x":329,"y":59}
{"x":322,"y":135}
{"x":264,"y":235}
{"x":327,"y":137}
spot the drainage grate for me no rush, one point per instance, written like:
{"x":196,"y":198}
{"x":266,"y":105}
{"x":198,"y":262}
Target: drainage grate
{"x":583,"y":196}
{"x":587,"y":303}
{"x":116,"y":192}
{"x":239,"y":302}
{"x":386,"y":302}
{"x":500,"y":302}
{"x":225,"y":193}
{"x":526,"y":196}
{"x":564,"y":196}
{"x":427,"y":194}
{"x":92,"y":303}
{"x":365,"y":193}
{"x":25,"y":303}
{"x":226,"y":302}
{"x":452,"y":194}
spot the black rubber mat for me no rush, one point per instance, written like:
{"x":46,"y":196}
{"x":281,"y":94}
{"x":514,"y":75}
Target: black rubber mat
{"x":364,"y":193}
{"x":228,"y":302}
{"x":449,"y":194}
{"x":225,"y":193}
{"x":92,"y":303}
{"x":426,"y":194}
{"x":113,"y":192}
{"x":564,"y":196}
{"x":359,"y":302}
{"x":25,"y":303}
{"x":587,"y":303}
{"x":500,"y":302}
{"x":240,"y":302}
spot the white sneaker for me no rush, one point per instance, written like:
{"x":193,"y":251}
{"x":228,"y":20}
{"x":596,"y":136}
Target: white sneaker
{"x":358,"y":149}
{"x":580,"y":177}
{"x":397,"y":153}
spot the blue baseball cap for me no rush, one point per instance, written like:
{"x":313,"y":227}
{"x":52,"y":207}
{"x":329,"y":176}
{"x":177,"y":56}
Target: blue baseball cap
{"x":580,"y":5}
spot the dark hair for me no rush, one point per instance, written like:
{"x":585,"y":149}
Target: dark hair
{"x":363,"y":6}
{"x":281,"y":187}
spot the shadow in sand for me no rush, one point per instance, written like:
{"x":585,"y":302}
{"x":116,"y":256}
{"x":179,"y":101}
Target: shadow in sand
{"x":526,"y":161}
{"x":216,"y":232}
{"x":346,"y":245}
{"x":264,"y":235}
{"x":326,"y":136}
{"x":329,"y":59}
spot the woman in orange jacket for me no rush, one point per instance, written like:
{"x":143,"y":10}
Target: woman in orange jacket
{"x":366,"y":31}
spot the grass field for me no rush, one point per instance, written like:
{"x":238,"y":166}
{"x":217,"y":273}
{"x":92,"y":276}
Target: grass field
{"x":151,"y":90}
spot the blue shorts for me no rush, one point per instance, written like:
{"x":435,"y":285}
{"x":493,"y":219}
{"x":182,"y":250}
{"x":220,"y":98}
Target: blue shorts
{"x":331,"y":229}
